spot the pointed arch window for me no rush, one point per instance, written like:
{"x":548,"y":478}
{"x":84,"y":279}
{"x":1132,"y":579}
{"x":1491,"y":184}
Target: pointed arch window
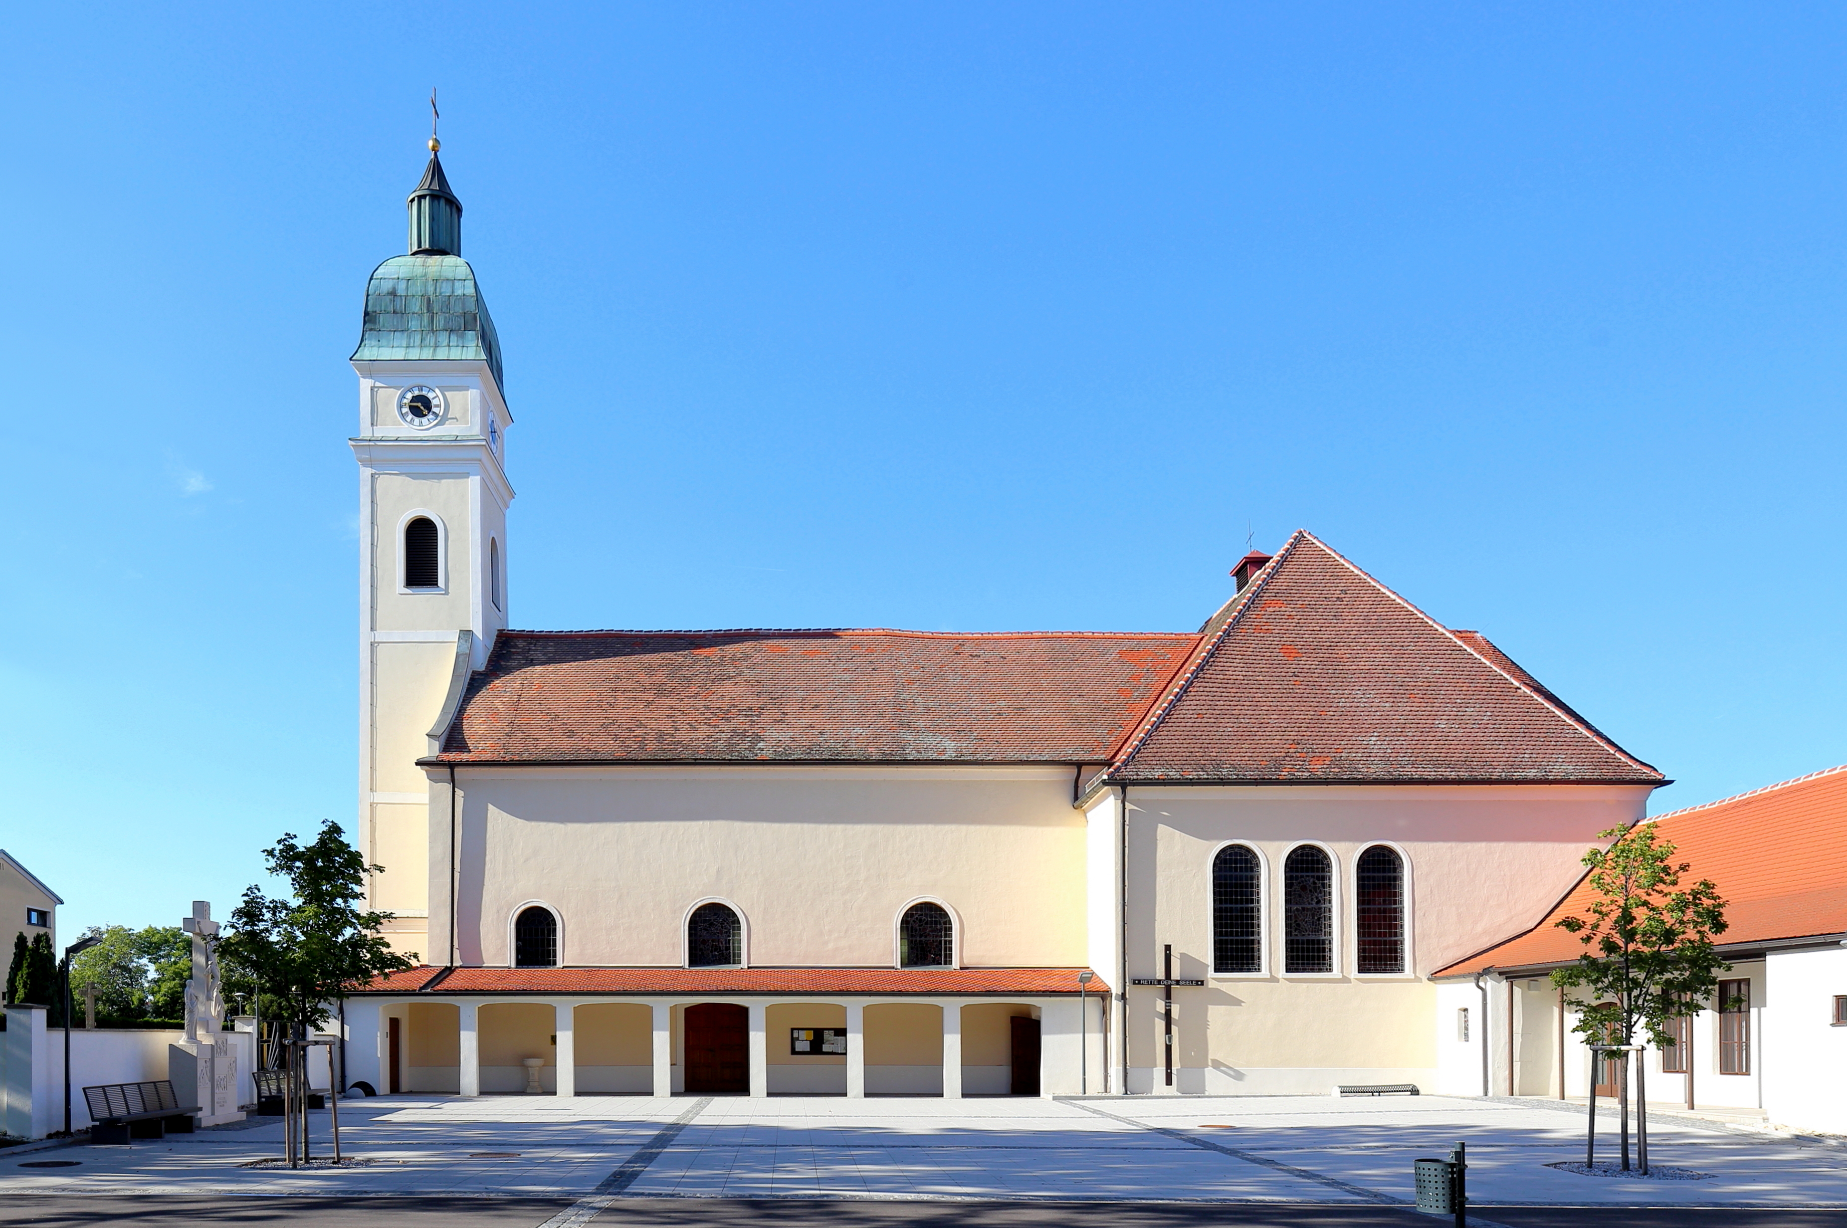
{"x":493,"y":571}
{"x":422,"y":553}
{"x":1237,"y":910}
{"x":535,"y":939}
{"x":1379,"y":910}
{"x":1308,"y":911}
{"x":926,"y":937}
{"x":714,"y":938}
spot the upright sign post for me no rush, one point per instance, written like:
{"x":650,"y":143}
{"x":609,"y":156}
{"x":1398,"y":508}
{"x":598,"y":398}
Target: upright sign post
{"x":1167,"y":981}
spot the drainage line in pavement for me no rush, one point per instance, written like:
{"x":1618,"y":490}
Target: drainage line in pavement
{"x":609,"y":1188}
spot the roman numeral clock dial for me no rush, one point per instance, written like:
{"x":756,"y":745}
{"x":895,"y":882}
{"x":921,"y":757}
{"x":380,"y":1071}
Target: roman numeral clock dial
{"x":420,"y":407}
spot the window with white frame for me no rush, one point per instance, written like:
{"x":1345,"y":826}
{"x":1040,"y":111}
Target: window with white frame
{"x":1308,"y":911}
{"x":714,"y":937}
{"x":422,"y":553}
{"x":926,"y":937}
{"x":1237,"y":910}
{"x":1378,"y":880}
{"x":1462,"y":1023}
{"x":535,"y":938}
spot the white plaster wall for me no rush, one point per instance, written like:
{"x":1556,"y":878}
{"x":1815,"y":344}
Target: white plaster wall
{"x":1458,"y":1070}
{"x":1805,"y":1079}
{"x":820,"y":861}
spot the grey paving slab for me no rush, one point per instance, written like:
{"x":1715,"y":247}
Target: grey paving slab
{"x":1306,"y":1150}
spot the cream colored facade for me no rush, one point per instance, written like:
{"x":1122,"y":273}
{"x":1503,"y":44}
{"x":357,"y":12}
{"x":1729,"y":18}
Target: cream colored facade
{"x":22,"y":898}
{"x":1038,"y":871}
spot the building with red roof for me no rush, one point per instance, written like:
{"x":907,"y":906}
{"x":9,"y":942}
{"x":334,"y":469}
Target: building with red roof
{"x":854,"y":861}
{"x":1773,"y":1040}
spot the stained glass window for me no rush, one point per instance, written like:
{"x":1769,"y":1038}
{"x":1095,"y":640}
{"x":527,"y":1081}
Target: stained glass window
{"x":535,"y":939}
{"x":1308,"y":911}
{"x":714,"y":938}
{"x":1237,"y":916}
{"x":926,"y":937}
{"x":1379,"y":910}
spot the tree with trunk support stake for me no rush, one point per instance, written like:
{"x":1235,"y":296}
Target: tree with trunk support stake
{"x":1650,"y":954}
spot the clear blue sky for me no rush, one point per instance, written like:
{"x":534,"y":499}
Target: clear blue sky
{"x":941,"y":316}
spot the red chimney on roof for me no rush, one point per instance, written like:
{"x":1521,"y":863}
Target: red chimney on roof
{"x":1249,"y":566}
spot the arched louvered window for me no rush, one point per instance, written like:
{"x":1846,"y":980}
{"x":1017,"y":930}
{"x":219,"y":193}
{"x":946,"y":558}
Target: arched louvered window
{"x":714,"y":938}
{"x":1237,"y":910}
{"x":1379,"y":910}
{"x":493,"y":571}
{"x":926,"y":937}
{"x":535,"y":939}
{"x":422,"y":554}
{"x":1308,"y":911}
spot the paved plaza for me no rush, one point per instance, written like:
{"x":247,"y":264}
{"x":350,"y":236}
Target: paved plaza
{"x":570,"y":1159}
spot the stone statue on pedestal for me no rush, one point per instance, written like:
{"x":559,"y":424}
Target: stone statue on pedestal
{"x":204,"y":1064}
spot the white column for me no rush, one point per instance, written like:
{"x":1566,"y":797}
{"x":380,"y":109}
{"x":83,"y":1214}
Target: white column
{"x":663,"y":1048}
{"x":856,"y":1049}
{"x":759,"y":1049}
{"x":471,"y":1049}
{"x":952,"y":1050}
{"x":567,"y":1049}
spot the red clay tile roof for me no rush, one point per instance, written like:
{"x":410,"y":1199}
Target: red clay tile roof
{"x":809,"y":696}
{"x":406,"y":981}
{"x":1322,"y":674}
{"x":1775,"y":854}
{"x":958,"y":981}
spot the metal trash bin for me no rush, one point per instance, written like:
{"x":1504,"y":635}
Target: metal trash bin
{"x":1436,"y":1186}
{"x":1443,"y":1185}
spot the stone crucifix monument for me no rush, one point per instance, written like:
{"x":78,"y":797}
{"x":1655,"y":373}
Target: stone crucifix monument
{"x":203,"y":1066}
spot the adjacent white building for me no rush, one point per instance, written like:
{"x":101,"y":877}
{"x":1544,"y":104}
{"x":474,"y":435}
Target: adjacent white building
{"x":1771,"y":1042}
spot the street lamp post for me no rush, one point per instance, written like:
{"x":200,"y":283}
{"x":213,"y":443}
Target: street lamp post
{"x":1083,"y":1030}
{"x":64,"y":985}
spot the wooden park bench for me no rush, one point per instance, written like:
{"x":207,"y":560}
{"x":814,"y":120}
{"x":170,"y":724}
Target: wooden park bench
{"x":270,"y":1097}
{"x":1376,"y":1089}
{"x":123,"y":1111}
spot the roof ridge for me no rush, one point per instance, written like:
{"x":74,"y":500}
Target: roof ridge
{"x":899,"y":631}
{"x":1738,"y":797}
{"x":1553,"y":706}
{"x":1187,"y":671}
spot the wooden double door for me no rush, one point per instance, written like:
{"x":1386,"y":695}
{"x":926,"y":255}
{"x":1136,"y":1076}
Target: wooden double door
{"x":717,"y":1048}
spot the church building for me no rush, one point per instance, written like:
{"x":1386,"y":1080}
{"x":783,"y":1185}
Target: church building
{"x":864,"y":861}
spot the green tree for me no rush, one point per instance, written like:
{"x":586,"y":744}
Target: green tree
{"x":113,"y":971}
{"x":1650,"y":950}
{"x":21,"y":952}
{"x":36,"y":982}
{"x":308,"y":949}
{"x":167,"y":951}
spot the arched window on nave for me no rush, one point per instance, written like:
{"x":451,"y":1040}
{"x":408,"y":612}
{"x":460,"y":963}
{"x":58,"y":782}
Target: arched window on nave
{"x":1308,"y":911}
{"x":926,"y":937}
{"x":535,"y":938}
{"x":1237,"y":910}
{"x":714,"y":937}
{"x":1379,"y":910}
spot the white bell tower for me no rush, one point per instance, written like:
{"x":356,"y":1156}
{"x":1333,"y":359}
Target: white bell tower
{"x":433,"y":499}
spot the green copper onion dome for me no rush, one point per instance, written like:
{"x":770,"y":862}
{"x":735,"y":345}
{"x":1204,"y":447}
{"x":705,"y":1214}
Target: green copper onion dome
{"x":427,"y":305}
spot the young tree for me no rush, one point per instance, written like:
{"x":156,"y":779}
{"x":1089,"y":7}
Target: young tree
{"x":1650,"y":950}
{"x":307,"y":950}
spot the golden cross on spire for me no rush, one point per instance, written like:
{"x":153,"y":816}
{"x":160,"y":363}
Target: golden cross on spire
{"x":434,"y":116}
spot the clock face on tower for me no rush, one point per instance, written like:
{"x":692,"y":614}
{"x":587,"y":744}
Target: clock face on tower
{"x":420,"y":406}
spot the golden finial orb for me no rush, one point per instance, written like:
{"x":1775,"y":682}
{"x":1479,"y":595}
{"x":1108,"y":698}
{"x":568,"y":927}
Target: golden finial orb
{"x":435,"y":144}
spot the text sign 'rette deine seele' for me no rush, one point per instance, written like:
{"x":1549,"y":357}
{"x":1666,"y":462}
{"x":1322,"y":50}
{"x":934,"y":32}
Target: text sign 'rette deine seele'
{"x":1163,"y":980}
